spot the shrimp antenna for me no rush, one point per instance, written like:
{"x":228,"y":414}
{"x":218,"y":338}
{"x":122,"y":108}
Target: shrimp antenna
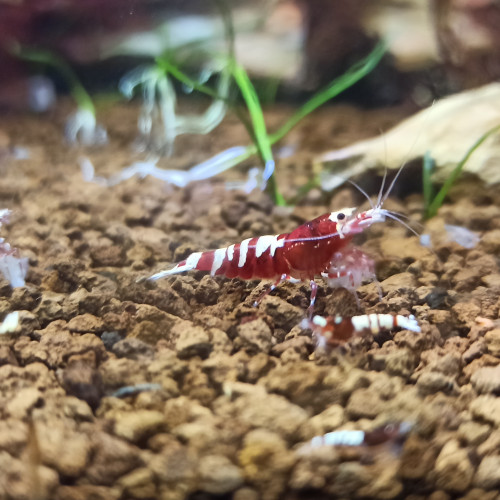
{"x":379,"y":197}
{"x":407,"y":217}
{"x":388,"y":192}
{"x":391,"y":185}
{"x":403,"y":223}
{"x":362,"y":191}
{"x":381,"y":190}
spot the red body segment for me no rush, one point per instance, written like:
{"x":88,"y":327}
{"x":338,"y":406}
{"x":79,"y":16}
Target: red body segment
{"x":303,"y":254}
{"x":311,"y":247}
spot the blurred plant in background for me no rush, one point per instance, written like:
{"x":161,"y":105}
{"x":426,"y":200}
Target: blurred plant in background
{"x":158,"y":123}
{"x":304,"y":43}
{"x":81,"y":127}
{"x":73,"y":31}
{"x":163,"y":47}
{"x":256,"y":127}
{"x":198,"y":46}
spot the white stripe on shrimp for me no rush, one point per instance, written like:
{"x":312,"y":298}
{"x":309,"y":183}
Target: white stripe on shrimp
{"x":361,"y":323}
{"x":219,"y":256}
{"x":230,"y":253}
{"x":339,"y":438}
{"x":268,"y":241}
{"x":192,"y":260}
{"x":378,"y":321}
{"x":243,"y":252}
{"x":191,"y":263}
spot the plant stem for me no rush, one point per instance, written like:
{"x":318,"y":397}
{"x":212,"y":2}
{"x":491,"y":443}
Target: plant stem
{"x":427,"y":168}
{"x":170,"y":68}
{"x":256,"y":115}
{"x":77,"y":90}
{"x":259,"y":128}
{"x":439,"y":198}
{"x":303,"y":190}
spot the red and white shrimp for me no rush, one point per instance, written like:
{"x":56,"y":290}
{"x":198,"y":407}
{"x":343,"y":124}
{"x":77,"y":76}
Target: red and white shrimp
{"x":320,"y":247}
{"x":303,"y":254}
{"x":334,"y":331}
{"x":393,"y":434}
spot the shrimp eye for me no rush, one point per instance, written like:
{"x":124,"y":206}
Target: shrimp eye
{"x":340,"y":216}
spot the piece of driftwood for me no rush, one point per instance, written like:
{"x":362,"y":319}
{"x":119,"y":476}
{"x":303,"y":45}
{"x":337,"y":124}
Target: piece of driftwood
{"x":447,"y":130}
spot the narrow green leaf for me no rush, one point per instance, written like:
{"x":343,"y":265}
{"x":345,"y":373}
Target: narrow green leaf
{"x":49,"y":59}
{"x":303,"y":190}
{"x":256,"y":115}
{"x":262,"y":140}
{"x":348,"y":79}
{"x":170,"y":68}
{"x":259,"y":129}
{"x":427,"y":169}
{"x":438,"y":200}
{"x":165,"y":65}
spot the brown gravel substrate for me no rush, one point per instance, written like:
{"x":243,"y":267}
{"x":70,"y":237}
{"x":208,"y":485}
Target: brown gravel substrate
{"x":238,"y":389}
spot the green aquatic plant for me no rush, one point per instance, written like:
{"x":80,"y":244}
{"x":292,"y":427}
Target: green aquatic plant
{"x":259,"y":135}
{"x":159,"y":123}
{"x":262,"y":140}
{"x":82,"y":126}
{"x":431,"y":207}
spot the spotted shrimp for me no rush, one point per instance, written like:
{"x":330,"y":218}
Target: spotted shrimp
{"x":319,"y":247}
{"x":332,"y":332}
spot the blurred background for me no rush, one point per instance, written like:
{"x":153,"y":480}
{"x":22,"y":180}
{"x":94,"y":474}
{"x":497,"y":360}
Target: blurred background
{"x":436,"y":47}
